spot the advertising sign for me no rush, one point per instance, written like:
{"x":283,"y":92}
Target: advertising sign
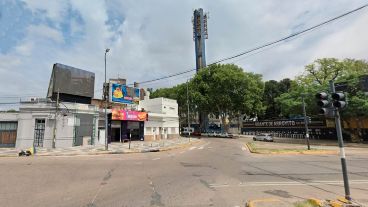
{"x":124,"y":94}
{"x":120,"y":114}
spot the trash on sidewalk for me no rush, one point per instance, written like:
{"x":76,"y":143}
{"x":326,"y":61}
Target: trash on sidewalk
{"x":30,"y":151}
{"x":25,"y":153}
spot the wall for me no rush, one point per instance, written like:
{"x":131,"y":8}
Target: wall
{"x":67,"y":123}
{"x":8,"y":129}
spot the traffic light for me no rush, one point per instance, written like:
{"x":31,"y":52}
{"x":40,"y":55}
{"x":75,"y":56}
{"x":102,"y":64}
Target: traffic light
{"x":338,"y":100}
{"x":322,"y":101}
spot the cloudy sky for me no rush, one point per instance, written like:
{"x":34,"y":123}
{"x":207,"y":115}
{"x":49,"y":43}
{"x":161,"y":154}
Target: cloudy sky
{"x":153,"y":38}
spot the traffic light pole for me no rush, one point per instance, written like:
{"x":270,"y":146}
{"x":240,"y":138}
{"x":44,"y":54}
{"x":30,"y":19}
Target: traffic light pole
{"x":305,"y":123}
{"x":341,"y":146}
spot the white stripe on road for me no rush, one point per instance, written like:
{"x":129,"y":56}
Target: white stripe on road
{"x":200,"y":147}
{"x":192,"y":148}
{"x":291,"y":183}
{"x":157,"y":158}
{"x":243,"y":148}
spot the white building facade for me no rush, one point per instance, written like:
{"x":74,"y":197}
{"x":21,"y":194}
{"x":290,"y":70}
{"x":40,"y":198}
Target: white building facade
{"x":76,"y":125}
{"x":163,"y":119}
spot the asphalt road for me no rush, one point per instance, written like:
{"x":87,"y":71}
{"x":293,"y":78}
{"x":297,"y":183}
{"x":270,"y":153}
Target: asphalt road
{"x":217,"y":172}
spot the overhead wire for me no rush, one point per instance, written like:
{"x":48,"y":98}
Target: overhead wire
{"x":264,"y":45}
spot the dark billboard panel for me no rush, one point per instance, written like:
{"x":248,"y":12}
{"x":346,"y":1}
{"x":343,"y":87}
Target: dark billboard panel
{"x":71,"y":82}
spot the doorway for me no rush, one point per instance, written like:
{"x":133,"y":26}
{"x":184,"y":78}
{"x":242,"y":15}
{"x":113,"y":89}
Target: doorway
{"x":116,"y":131}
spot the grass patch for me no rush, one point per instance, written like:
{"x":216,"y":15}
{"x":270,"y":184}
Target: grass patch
{"x":252,"y":146}
{"x":305,"y":204}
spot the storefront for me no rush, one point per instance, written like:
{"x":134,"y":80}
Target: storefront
{"x":124,"y":125}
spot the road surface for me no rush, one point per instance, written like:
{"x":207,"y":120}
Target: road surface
{"x":217,"y":172}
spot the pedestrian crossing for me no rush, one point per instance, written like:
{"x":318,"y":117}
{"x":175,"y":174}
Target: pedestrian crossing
{"x":193,"y":148}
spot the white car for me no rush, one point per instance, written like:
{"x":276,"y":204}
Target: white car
{"x":263,"y":137}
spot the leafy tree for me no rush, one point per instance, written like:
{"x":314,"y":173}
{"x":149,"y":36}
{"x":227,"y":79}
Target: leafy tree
{"x":274,"y":89}
{"x":316,"y":78}
{"x":227,"y":91}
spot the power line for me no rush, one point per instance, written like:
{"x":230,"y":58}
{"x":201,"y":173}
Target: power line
{"x":265,"y":45}
{"x":292,"y":35}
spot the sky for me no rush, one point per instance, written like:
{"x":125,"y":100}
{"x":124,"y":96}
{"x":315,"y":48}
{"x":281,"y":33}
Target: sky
{"x":149,"y":39}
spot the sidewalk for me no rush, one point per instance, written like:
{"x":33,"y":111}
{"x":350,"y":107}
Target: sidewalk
{"x":114,"y":148}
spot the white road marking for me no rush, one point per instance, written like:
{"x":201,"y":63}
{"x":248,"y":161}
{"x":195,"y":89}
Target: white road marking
{"x":200,"y":148}
{"x":243,"y":148}
{"x":181,"y":152}
{"x":289,"y":183}
{"x":157,"y":158}
{"x":192,"y":148}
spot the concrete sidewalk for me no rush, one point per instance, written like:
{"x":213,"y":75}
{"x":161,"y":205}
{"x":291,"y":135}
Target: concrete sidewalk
{"x":114,"y":148}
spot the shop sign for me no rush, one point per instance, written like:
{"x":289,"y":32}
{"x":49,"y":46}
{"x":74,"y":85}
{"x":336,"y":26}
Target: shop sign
{"x":120,"y":114}
{"x":124,"y":94}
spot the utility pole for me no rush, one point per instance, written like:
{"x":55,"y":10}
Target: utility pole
{"x":305,"y":123}
{"x":341,"y":145}
{"x":188,"y":109}
{"x":106,"y":92}
{"x":56,"y":114}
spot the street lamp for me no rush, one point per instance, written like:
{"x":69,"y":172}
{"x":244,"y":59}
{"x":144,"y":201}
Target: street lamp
{"x":105,"y":95}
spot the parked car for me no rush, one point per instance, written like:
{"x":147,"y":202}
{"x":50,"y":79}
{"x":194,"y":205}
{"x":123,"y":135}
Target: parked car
{"x":263,"y":137}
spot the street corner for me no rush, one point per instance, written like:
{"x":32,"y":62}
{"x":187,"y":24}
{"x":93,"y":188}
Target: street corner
{"x":182,"y":145}
{"x":268,"y":202}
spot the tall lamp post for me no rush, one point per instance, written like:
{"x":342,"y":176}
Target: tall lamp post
{"x":106,"y":97}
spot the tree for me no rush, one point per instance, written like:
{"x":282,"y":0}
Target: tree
{"x":347,"y":72}
{"x":274,"y":89}
{"x":321,"y":71}
{"x":227,"y":91}
{"x":178,"y":93}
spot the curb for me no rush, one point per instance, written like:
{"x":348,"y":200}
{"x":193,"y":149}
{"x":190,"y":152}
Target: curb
{"x":304,"y":152}
{"x":252,"y":203}
{"x":9,"y":155}
{"x":316,"y":202}
{"x":114,"y":152}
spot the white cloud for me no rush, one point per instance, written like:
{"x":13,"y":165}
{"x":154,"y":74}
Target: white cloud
{"x":155,"y":39}
{"x":54,"y":9}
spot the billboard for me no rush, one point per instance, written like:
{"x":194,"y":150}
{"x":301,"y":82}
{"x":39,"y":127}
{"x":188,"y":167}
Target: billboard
{"x":73,"y":84}
{"x":124,"y":94}
{"x":125,"y":115}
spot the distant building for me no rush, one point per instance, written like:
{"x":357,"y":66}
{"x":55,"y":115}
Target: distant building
{"x":137,"y":118}
{"x":163,"y":118}
{"x":79,"y":119}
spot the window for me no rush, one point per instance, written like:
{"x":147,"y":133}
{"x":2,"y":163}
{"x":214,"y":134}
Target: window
{"x":39,"y":132}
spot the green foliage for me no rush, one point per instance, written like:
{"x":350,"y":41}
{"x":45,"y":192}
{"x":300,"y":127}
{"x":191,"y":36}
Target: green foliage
{"x":226,"y":90}
{"x":315,"y":79}
{"x":274,"y":89}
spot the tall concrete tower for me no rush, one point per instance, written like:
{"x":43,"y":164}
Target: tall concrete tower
{"x":200,"y":34}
